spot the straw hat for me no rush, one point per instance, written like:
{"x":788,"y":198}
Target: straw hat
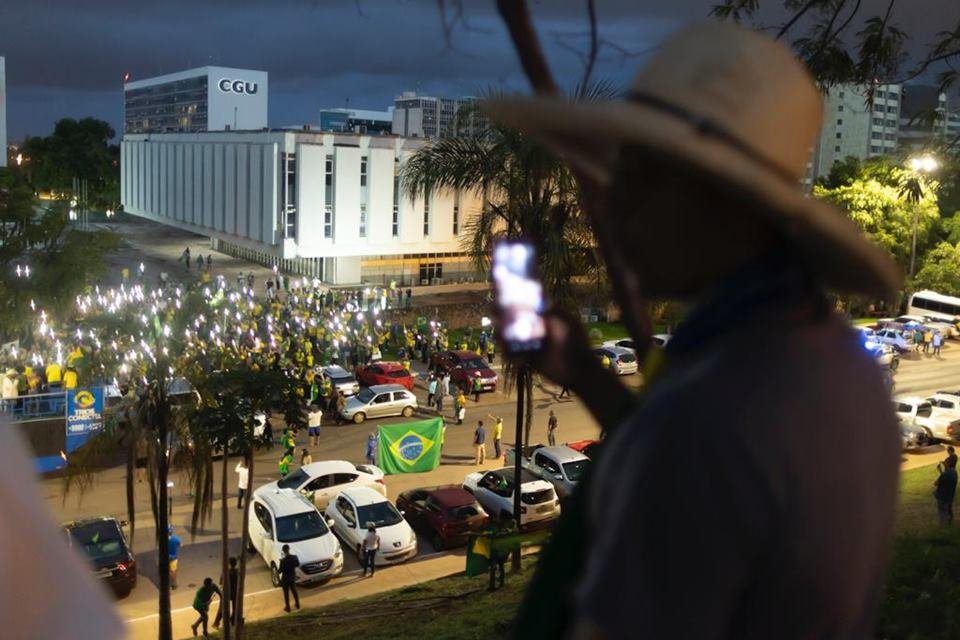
{"x":736,"y":105}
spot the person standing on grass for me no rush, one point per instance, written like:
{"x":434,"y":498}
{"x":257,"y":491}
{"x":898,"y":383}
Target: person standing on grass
{"x":314,"y":420}
{"x":479,"y":443}
{"x":173,"y":555}
{"x":371,"y":543}
{"x":288,"y":577}
{"x":201,"y":604}
{"x":950,"y":460}
{"x":497,"y":434}
{"x":944,"y":489}
{"x":243,"y":480}
{"x":552,"y":429}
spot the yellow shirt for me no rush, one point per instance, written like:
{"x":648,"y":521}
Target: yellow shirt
{"x":498,"y":430}
{"x":54,"y":374}
{"x":70,"y":379}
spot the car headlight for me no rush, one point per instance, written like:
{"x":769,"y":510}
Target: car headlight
{"x":413,"y":538}
{"x":338,"y":553}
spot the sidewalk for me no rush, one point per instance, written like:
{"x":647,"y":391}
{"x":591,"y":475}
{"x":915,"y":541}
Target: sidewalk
{"x":268,"y":603}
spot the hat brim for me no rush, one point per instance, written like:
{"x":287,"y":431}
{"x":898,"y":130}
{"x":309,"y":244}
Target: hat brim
{"x":828,"y":241}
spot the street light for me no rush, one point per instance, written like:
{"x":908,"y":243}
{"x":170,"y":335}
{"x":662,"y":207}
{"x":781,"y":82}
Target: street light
{"x":919,"y":165}
{"x":923,"y":164}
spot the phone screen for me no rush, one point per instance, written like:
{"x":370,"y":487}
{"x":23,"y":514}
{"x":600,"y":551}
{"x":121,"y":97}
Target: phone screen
{"x":519,"y":296}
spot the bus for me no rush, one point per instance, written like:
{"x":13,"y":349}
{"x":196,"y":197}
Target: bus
{"x":934,"y":305}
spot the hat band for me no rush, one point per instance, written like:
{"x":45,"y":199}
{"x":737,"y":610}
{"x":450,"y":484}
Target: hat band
{"x":707,"y":127}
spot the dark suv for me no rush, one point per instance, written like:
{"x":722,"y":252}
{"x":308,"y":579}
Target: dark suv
{"x":447,"y":515}
{"x":102,"y":541}
{"x":463,"y":367}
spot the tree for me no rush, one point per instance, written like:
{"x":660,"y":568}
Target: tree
{"x":940,"y":270}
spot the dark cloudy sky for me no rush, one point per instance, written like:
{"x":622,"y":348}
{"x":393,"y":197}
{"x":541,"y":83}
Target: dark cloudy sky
{"x":66,"y":58}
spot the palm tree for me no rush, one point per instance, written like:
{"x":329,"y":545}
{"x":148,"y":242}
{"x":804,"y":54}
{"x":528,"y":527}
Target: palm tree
{"x":525,"y":191}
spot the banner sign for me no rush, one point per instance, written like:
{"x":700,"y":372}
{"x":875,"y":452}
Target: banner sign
{"x":410,"y":447}
{"x":84,"y":411}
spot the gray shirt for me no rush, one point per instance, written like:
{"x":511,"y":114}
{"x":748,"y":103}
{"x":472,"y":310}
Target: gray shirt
{"x":739,"y":502}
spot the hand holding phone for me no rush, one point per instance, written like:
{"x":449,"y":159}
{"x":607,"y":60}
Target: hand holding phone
{"x":519,"y":296}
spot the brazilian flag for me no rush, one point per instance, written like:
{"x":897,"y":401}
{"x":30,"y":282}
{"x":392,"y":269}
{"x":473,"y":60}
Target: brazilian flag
{"x":410,"y":447}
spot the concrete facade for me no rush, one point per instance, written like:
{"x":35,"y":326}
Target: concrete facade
{"x":319,"y":204}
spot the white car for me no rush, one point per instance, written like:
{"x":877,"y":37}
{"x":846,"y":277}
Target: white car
{"x":494,"y":491}
{"x":356,"y":508}
{"x":284,"y":516}
{"x":622,"y":361}
{"x":894,"y":338}
{"x":321,"y":481}
{"x":340,"y":379}
{"x":944,"y":424}
{"x":561,"y":466}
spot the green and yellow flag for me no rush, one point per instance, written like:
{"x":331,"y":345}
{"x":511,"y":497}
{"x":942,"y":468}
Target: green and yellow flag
{"x":410,"y":447}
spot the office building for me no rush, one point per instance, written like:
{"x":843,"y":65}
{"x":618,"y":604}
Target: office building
{"x":356,"y":121}
{"x":320,"y":204}
{"x":928,"y":117}
{"x":202,"y":99}
{"x":433,"y":118}
{"x":3,"y":113}
{"x":852,"y":126}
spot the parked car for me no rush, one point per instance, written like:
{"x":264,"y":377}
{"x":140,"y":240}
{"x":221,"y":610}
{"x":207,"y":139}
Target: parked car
{"x":385,"y":373}
{"x":103,"y":542}
{"x":894,"y":338}
{"x":945,"y":404}
{"x":463,"y":367}
{"x":561,"y":466}
{"x":446,"y":515}
{"x":660,"y":339}
{"x":587,"y":447}
{"x":623,"y":343}
{"x":285,"y":516}
{"x":884,"y":355}
{"x":913,"y":436}
{"x":340,"y":379}
{"x":355,"y":508}
{"x":947,"y":328}
{"x":494,"y":491}
{"x":321,"y":481}
{"x":380,"y":401}
{"x":622,"y":361}
{"x":943,"y":425}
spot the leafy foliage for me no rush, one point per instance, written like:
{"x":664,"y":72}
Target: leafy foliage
{"x":941,"y":270}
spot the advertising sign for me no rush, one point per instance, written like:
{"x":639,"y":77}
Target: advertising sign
{"x":84,"y":411}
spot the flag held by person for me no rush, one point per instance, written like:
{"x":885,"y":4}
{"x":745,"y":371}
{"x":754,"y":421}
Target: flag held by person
{"x":410,"y":447}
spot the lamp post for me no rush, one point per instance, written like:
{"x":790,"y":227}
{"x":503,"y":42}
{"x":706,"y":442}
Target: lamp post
{"x":920,"y":165}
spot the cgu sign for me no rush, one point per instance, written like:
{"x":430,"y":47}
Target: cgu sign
{"x":237,"y":86}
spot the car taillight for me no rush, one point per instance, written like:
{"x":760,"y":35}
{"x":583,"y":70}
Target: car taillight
{"x":125,"y":566}
{"x":950,"y":429}
{"x":380,"y":480}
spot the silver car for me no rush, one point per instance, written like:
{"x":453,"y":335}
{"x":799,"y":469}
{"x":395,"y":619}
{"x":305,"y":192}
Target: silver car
{"x":379,"y":401}
{"x":340,"y":379}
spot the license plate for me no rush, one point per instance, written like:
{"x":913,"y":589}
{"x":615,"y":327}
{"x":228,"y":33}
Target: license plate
{"x":104,"y":573}
{"x":544,"y":509}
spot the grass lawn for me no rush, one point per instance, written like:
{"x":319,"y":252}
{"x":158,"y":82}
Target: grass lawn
{"x":450,"y":608}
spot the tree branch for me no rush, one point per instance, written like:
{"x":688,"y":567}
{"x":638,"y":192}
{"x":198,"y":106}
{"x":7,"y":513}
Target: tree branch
{"x":792,"y":21}
{"x":517,"y":18}
{"x":594,"y":43}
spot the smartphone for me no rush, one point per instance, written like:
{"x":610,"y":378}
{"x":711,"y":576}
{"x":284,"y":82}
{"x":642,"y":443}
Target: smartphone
{"x":519,"y":296}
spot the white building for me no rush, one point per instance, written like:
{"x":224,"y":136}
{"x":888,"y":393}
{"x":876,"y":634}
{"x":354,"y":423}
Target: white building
{"x":431,"y":117}
{"x":929,"y":117}
{"x":3,"y":113}
{"x":325,"y":205}
{"x":356,"y":120}
{"x":202,"y":99}
{"x":853,"y":127}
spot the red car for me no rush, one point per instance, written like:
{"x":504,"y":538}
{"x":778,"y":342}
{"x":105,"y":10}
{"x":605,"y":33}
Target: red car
{"x":385,"y":373}
{"x":446,"y":515}
{"x":463,"y":367}
{"x":586,"y":447}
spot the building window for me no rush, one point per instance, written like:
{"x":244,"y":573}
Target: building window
{"x":839,"y":135}
{"x":893,"y":95}
{"x":891,"y":123}
{"x":878,"y":122}
{"x":456,"y":213}
{"x":363,"y":171}
{"x":841,"y":95}
{"x":836,"y":149}
{"x":876,"y":135}
{"x":289,"y":212}
{"x":328,"y":199}
{"x":431,"y":270}
{"x":840,"y":107}
{"x":363,"y":221}
{"x":874,"y":149}
{"x":426,"y":216}
{"x":892,"y":108}
{"x":890,"y":136}
{"x":839,"y":121}
{"x":396,"y":198}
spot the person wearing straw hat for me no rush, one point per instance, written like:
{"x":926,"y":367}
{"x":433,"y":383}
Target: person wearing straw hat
{"x":779,"y":502}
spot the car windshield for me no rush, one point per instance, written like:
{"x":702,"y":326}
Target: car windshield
{"x":464,"y":511}
{"x":474,"y":363}
{"x":365,"y":395}
{"x":398,"y":373}
{"x":99,"y":541}
{"x":343,"y":379}
{"x":575,"y":470}
{"x":301,"y":526}
{"x":627,"y":357}
{"x":381,"y":514}
{"x":924,"y":410}
{"x":294,"y":480}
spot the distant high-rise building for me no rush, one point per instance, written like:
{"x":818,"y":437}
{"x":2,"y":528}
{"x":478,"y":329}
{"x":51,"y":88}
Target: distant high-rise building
{"x":3,"y":113}
{"x":928,"y":116}
{"x":433,"y":118}
{"x":356,"y":121}
{"x":202,"y":99}
{"x":853,"y":126}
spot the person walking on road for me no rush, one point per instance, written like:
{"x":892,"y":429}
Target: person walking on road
{"x":230,"y":593}
{"x":439,"y":401}
{"x":477,"y":387}
{"x":341,"y":405}
{"x":201,"y":604}
{"x":445,"y":384}
{"x":497,"y":434}
{"x":305,"y":457}
{"x":564,"y":391}
{"x":185,"y":256}
{"x":173,"y":555}
{"x":243,"y":480}
{"x":283,"y":467}
{"x":209,"y":262}
{"x":479,"y":443}
{"x":371,"y":544}
{"x":431,"y":388}
{"x":314,"y":420}
{"x":552,"y":429}
{"x":288,"y":577}
{"x":944,"y":489}
{"x":370,"y":453}
{"x":460,"y":407}
{"x":927,"y":340}
{"x":937,"y":343}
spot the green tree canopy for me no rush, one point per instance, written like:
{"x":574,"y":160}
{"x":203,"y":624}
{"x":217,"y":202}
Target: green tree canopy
{"x":941,"y":270}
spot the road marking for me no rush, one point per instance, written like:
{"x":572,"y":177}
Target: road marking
{"x":262,"y":591}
